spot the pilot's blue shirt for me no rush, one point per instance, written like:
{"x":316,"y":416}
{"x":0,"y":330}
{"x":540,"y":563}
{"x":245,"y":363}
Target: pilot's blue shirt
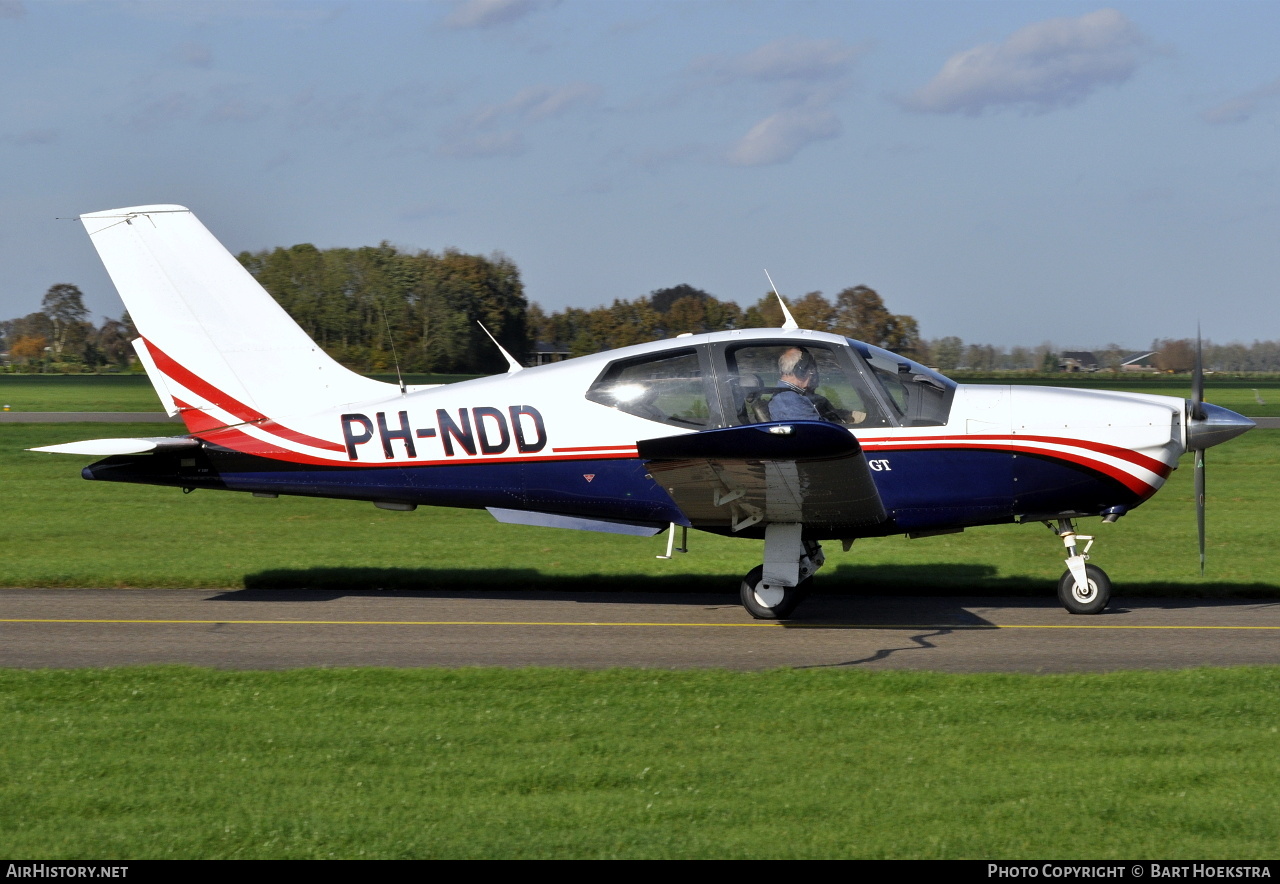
{"x":790,"y":405}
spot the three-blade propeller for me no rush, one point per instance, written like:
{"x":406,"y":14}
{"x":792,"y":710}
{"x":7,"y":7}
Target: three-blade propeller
{"x":1195,"y":412}
{"x":1207,"y":425}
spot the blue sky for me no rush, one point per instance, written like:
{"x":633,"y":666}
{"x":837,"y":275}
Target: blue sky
{"x":1008,"y":172}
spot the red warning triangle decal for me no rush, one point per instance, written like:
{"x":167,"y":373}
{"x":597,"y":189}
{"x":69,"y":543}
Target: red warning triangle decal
{"x":588,"y":476}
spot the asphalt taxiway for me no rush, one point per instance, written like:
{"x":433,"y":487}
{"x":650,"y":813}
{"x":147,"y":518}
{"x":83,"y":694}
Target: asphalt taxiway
{"x":279,"y":629}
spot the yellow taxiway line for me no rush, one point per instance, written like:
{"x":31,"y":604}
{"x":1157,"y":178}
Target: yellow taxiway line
{"x":765,"y":623}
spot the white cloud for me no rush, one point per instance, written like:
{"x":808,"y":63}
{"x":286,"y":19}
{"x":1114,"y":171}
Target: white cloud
{"x":1241,"y":108}
{"x":494,"y":130}
{"x":1044,"y":66}
{"x":779,"y":137}
{"x":537,"y":103}
{"x":790,"y":58}
{"x":488,"y":13}
{"x":799,"y":80}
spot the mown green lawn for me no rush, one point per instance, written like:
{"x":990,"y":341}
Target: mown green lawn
{"x":485,"y":763}
{"x":112,"y":392}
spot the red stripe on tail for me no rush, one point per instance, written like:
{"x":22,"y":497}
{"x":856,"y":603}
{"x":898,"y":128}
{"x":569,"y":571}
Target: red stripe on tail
{"x":197,"y":421}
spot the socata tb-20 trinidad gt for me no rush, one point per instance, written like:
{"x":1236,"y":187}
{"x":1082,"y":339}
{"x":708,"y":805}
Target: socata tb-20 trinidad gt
{"x":787,"y":435}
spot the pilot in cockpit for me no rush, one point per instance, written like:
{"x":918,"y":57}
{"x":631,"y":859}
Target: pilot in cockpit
{"x":799,"y":400}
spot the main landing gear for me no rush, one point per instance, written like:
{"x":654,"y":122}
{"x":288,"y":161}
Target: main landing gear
{"x":1084,"y":588}
{"x":771,"y":591}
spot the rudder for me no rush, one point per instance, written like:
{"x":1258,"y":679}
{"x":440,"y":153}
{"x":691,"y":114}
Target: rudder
{"x":217,"y":341}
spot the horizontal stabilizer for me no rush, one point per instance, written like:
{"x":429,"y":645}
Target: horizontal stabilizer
{"x":551,"y":520}
{"x":745,"y":478}
{"x":109,"y":447}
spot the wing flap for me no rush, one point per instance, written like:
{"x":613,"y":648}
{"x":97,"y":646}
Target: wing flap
{"x":736,"y":478}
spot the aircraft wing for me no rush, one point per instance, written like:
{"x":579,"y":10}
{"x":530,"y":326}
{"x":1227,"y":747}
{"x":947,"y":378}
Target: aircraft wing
{"x":738,"y":477}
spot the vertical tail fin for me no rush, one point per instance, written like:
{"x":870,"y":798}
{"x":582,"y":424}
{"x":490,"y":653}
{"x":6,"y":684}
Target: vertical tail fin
{"x":216,"y":341}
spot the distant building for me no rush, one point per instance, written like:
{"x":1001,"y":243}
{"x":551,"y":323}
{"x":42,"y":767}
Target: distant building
{"x":1079,"y":360}
{"x":544,"y":352}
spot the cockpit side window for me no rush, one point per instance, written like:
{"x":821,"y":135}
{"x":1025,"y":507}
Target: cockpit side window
{"x":921,"y":396}
{"x":834,"y":392}
{"x":666,"y":387}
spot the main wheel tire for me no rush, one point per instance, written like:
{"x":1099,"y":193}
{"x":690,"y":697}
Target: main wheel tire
{"x":771,"y":603}
{"x":1090,"y":599}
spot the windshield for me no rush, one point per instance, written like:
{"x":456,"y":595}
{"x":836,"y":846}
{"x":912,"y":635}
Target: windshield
{"x":921,"y":396}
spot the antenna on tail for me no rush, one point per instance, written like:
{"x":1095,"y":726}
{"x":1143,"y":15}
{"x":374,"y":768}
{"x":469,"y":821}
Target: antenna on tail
{"x":392,"y":339}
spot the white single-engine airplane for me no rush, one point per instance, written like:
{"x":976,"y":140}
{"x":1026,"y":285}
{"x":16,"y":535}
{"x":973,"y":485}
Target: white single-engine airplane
{"x":787,"y":435}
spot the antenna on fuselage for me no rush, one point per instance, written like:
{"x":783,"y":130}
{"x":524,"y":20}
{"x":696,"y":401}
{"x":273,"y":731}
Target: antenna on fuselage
{"x":513,"y":366}
{"x":788,"y":321}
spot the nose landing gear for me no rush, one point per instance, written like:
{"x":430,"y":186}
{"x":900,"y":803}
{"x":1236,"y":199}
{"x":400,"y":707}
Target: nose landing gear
{"x":1084,"y":588}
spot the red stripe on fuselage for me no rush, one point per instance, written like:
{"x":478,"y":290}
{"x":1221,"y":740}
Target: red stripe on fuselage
{"x":1147,"y":463}
{"x":1133,"y":483}
{"x":237,"y":440}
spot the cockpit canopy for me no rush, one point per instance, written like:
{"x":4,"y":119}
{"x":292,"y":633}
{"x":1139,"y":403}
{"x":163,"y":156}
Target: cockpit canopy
{"x":720,"y":383}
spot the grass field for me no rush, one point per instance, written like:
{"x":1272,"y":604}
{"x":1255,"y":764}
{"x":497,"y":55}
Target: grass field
{"x":177,"y":762}
{"x":122,"y":392}
{"x":1255,"y":397}
{"x":60,"y":530}
{"x":132,"y":392}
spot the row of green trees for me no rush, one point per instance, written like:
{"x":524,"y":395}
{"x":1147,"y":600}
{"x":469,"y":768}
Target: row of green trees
{"x":372,"y":306}
{"x":858,"y":312}
{"x":375,"y":306}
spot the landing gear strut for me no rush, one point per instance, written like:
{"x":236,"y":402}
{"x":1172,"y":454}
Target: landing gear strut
{"x":1084,"y":588}
{"x":771,"y":591}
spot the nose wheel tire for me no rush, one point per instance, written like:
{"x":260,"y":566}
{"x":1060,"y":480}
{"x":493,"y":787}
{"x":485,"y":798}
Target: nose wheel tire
{"x":765,"y":602}
{"x":1089,"y":599}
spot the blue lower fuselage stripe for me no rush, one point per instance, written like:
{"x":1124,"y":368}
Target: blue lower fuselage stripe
{"x":921,"y":489}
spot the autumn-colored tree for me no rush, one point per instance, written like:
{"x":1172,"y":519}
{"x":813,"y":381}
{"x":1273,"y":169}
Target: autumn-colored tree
{"x":28,"y":349}
{"x":813,"y":311}
{"x":764,"y":313}
{"x":861,"y":314}
{"x":1175,"y":355}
